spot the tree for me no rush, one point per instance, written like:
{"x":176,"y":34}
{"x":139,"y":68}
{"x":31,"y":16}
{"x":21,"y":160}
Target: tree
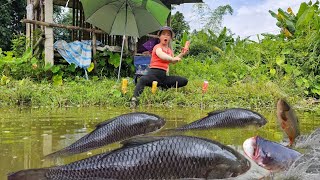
{"x":12,"y":11}
{"x":62,"y":15}
{"x":178,"y":24}
{"x":211,"y":19}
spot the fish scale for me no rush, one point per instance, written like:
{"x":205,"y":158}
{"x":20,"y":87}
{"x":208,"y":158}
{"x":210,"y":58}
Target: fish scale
{"x":116,"y":129}
{"x":170,"y":157}
{"x":227,"y":118}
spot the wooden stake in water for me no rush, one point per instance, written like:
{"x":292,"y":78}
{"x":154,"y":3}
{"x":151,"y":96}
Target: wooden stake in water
{"x":176,"y":86}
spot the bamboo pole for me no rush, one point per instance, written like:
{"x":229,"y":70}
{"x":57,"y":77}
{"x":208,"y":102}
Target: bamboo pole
{"x":36,"y":4}
{"x":48,"y":44}
{"x":47,"y":24}
{"x":28,"y":31}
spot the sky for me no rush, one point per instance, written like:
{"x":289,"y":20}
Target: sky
{"x":250,"y":17}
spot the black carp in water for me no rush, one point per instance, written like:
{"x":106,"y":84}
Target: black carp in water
{"x":169,"y":157}
{"x":116,"y":129}
{"x":269,"y":155}
{"x":235,"y":117}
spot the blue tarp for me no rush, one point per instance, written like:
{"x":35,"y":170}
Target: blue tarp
{"x":78,"y":53}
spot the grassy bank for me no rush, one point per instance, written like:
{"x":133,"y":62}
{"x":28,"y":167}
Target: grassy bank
{"x":108,"y":93}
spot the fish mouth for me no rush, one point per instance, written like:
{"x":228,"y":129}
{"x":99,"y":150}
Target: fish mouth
{"x":250,"y":148}
{"x":264,"y":122}
{"x":155,"y":126}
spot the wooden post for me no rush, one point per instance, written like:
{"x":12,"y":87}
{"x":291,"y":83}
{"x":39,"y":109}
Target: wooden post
{"x":48,"y":46}
{"x":94,"y":49}
{"x":77,"y":20}
{"x":81,"y":20}
{"x":42,"y":15}
{"x":73,"y":18}
{"x":46,"y":24}
{"x":35,"y":12}
{"x":36,"y":3}
{"x":28,"y":31}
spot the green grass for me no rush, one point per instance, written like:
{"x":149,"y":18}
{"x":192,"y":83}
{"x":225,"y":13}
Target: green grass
{"x":108,"y":93}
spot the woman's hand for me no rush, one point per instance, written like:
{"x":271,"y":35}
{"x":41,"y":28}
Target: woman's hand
{"x":175,"y":59}
{"x":184,"y":51}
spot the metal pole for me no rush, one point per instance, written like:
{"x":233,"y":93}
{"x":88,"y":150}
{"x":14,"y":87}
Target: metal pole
{"x":123,"y":38}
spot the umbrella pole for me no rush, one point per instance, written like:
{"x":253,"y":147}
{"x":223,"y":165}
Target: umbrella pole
{"x":123,"y":38}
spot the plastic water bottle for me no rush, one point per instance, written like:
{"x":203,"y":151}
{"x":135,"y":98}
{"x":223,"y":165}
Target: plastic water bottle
{"x":154,"y":87}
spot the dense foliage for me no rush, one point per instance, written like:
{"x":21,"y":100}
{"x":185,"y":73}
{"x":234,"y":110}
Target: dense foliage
{"x":239,"y":71}
{"x":290,"y":58}
{"x":179,"y":24}
{"x":12,"y":11}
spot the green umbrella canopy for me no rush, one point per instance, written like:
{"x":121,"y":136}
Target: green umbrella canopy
{"x":143,"y":16}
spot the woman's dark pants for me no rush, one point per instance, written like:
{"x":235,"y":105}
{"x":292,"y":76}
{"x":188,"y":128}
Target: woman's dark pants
{"x":161,"y":77}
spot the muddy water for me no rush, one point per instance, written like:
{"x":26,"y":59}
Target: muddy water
{"x":26,"y":135}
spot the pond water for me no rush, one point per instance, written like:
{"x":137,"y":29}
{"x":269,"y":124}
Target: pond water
{"x":26,"y":135}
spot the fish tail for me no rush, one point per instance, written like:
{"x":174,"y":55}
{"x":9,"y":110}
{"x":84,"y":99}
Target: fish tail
{"x":30,"y":174}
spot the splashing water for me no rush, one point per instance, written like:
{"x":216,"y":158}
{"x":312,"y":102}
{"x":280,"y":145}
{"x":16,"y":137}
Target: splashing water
{"x":306,"y":167}
{"x":311,"y":141}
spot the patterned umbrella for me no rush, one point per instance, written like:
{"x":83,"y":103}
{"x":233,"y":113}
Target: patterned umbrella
{"x":126,"y":17}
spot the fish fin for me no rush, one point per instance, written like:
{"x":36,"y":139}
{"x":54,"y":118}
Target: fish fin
{"x":291,"y":141}
{"x":30,"y":174}
{"x":215,"y":112}
{"x":105,"y":122}
{"x":59,"y":153}
{"x":140,"y":140}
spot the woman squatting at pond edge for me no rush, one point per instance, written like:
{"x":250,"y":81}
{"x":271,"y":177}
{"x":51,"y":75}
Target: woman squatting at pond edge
{"x":162,"y":56}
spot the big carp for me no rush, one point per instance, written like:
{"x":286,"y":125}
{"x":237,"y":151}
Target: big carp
{"x":116,"y":129}
{"x":168,"y":157}
{"x":269,"y":155}
{"x":288,"y":120}
{"x":235,"y":117}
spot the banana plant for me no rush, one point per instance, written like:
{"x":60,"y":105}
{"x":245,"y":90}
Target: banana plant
{"x":286,"y":21}
{"x":291,"y":23}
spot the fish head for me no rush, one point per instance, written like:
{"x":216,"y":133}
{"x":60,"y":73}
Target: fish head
{"x":225,"y":169}
{"x":241,"y":166}
{"x":258,"y":120}
{"x":269,"y":155}
{"x":154,"y":123}
{"x":252,"y":148}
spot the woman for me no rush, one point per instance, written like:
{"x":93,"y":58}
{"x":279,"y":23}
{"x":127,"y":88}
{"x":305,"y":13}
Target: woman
{"x":161,"y":57}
